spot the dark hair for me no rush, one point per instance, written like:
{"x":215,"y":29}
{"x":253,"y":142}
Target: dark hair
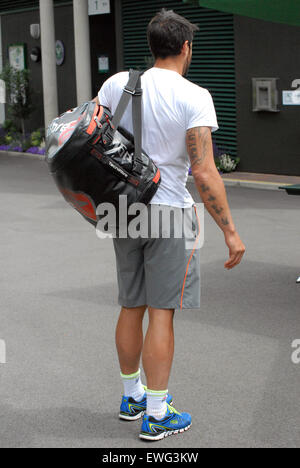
{"x":167,"y":32}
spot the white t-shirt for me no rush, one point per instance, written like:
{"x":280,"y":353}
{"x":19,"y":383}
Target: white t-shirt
{"x":171,"y":106}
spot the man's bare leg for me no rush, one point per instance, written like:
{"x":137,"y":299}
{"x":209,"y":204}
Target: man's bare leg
{"x":129,"y":338}
{"x":158,"y":350}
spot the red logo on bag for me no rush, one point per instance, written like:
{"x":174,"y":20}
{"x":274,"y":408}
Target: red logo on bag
{"x":67,"y":130}
{"x":81,"y":202}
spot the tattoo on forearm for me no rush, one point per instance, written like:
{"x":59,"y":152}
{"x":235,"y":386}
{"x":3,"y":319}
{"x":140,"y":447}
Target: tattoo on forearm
{"x":225,"y":221}
{"x":204,"y":188}
{"x":217,"y":210}
{"x":210,"y":198}
{"x":198,"y":144}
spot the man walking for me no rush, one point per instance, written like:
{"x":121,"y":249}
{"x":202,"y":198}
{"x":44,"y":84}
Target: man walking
{"x":161,"y":274}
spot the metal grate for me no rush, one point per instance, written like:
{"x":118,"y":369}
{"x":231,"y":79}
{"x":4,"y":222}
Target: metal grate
{"x":213,"y":65}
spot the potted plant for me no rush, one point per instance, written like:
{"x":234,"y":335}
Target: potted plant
{"x":227,"y":163}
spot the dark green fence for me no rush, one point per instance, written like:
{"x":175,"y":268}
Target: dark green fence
{"x":213,"y":64}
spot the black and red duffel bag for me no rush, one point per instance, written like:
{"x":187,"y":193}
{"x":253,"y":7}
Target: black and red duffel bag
{"x":94,"y":161}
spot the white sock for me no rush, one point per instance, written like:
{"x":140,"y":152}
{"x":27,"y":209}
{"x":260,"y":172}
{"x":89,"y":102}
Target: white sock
{"x":133,"y":386}
{"x":157,"y":403}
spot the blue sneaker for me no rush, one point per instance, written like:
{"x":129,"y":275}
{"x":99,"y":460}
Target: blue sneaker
{"x":132,"y":410}
{"x":173,"y":423}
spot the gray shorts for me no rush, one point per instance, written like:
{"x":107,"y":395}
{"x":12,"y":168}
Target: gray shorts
{"x":160,"y":272}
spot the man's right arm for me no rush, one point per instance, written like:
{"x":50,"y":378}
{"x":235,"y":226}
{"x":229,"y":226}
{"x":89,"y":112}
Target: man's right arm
{"x":212,"y":191}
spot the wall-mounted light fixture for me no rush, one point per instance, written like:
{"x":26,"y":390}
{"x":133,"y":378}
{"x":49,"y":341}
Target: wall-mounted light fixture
{"x":35,"y":31}
{"x":35,"y":54}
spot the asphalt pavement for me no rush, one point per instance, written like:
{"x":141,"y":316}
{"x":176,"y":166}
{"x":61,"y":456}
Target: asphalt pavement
{"x":60,"y":386}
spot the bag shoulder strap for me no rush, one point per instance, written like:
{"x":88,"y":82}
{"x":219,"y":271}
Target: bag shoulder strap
{"x":129,"y":91}
{"x":137,"y":119}
{"x":132,"y":90}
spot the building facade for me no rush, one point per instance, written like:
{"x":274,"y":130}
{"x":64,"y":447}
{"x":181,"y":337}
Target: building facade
{"x":229,"y":51}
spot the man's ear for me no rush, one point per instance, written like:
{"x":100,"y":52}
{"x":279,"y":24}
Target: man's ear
{"x":185,"y":48}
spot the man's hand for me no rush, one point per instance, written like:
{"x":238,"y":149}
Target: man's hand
{"x":236,"y":250}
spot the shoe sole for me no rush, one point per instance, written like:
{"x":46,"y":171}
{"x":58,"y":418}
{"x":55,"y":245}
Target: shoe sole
{"x":124,"y":417}
{"x":131,"y":418}
{"x":163,"y":435}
